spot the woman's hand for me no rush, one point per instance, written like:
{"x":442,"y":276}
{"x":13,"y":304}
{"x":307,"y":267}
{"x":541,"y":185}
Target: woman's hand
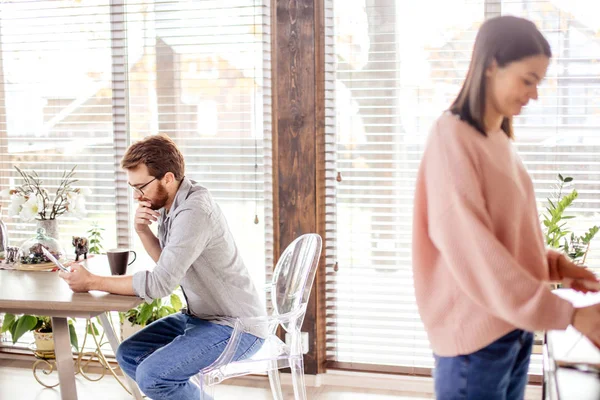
{"x":587,"y":321}
{"x":577,"y":277}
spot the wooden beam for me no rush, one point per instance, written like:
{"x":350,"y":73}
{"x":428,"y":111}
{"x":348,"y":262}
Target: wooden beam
{"x":298,"y":110}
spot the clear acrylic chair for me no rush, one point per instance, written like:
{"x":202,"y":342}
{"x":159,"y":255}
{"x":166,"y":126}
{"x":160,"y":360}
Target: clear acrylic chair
{"x":290,"y":289}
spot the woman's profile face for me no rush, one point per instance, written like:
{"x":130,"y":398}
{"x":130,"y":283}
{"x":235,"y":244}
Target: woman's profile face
{"x":509,"y":88}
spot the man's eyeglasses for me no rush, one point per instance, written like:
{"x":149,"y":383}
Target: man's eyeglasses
{"x":138,"y":189}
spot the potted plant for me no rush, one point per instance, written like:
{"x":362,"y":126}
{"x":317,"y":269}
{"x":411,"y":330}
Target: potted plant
{"x":135,"y":319}
{"x":559,"y":236}
{"x":95,"y":238}
{"x":556,"y":232}
{"x":41,"y":327}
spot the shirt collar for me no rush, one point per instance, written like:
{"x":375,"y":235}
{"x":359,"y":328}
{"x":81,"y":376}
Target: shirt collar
{"x":180,"y":196}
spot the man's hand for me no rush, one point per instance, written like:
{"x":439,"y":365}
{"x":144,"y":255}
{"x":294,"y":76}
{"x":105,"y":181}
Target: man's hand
{"x":79,"y":279}
{"x":82,"y":280}
{"x":144,"y":216}
{"x":577,"y":277}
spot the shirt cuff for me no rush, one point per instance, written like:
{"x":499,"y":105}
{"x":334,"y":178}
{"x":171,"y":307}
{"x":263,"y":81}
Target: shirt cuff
{"x":139,"y":285}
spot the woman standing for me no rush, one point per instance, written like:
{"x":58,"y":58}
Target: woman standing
{"x":480,"y":264}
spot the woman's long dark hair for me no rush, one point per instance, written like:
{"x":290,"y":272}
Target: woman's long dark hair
{"x":503,"y":39}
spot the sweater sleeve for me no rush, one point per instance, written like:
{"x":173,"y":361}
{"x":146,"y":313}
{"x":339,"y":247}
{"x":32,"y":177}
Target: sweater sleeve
{"x":461,"y":229}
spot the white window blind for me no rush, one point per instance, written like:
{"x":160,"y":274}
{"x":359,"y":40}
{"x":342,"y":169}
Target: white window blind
{"x":199,"y":71}
{"x":560,"y":133}
{"x":398,"y":66}
{"x":82,"y":80}
{"x":56,"y":109}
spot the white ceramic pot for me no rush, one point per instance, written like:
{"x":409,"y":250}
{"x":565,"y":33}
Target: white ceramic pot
{"x":128,"y":329}
{"x":44,"y":341}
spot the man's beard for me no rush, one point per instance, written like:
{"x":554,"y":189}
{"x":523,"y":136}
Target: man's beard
{"x":161,"y":198}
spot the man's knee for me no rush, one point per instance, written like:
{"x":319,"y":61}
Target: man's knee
{"x":121,"y":354}
{"x":125,"y":358}
{"x":149,"y":380}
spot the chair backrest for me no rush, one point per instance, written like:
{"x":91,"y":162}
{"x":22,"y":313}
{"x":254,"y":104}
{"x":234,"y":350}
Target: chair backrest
{"x":294,"y":276}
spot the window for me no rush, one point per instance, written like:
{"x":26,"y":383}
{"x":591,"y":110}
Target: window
{"x":82,"y":80}
{"x":199,"y":72}
{"x":56,"y":114}
{"x":397,"y":67}
{"x":560,"y":133}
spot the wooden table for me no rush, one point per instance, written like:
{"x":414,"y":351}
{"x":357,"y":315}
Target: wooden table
{"x":564,"y":348}
{"x":44,"y":293}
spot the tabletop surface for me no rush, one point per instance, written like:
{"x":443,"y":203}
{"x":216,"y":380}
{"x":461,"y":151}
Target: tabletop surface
{"x":571,"y":348}
{"x":35,"y":291}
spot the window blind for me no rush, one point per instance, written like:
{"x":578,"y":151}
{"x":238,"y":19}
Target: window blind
{"x":560,"y":133}
{"x":199,"y":71}
{"x":397,"y":67}
{"x":82,"y":80}
{"x":60,"y":107}
{"x":57,"y":111}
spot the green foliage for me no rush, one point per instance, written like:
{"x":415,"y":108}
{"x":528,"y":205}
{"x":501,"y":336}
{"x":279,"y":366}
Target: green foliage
{"x":147,"y":313}
{"x":95,"y":239}
{"x":18,"y":326}
{"x":556,"y":232}
{"x":92,"y":329}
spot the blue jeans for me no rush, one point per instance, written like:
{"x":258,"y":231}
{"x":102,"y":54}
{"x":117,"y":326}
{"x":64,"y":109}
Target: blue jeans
{"x":496,"y":372}
{"x":163,"y":356}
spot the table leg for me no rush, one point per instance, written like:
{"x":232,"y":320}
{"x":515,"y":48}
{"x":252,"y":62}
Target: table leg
{"x":114,"y":343}
{"x":64,"y":359}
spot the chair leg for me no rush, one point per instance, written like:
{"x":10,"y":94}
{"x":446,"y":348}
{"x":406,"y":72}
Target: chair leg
{"x":206,"y":392}
{"x":297,"y":367}
{"x":275,"y":381}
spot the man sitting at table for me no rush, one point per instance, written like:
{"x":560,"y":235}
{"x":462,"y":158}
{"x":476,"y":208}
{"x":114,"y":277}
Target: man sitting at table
{"x":194,"y":249}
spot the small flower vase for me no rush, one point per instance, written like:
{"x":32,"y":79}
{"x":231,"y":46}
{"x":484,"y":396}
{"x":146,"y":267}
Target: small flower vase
{"x":51,"y":227}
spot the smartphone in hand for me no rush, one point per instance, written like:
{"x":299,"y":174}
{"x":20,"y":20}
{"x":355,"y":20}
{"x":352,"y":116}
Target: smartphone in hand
{"x":54,"y":260}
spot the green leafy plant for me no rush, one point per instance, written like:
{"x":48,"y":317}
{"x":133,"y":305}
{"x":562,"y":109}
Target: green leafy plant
{"x":147,"y":313}
{"x":95,"y":239}
{"x":556,"y":231}
{"x":19,"y":325}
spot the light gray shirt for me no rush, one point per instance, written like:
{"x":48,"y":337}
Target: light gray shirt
{"x":199,"y":253}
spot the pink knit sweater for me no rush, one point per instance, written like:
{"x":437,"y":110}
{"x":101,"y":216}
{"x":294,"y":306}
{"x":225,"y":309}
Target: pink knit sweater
{"x":479,"y":259}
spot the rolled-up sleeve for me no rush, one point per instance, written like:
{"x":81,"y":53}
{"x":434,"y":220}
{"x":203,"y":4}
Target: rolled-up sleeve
{"x":139,"y":284}
{"x":189,"y":235}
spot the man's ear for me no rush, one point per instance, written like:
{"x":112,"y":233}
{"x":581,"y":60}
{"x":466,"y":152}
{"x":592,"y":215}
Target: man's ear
{"x":169,"y":178}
